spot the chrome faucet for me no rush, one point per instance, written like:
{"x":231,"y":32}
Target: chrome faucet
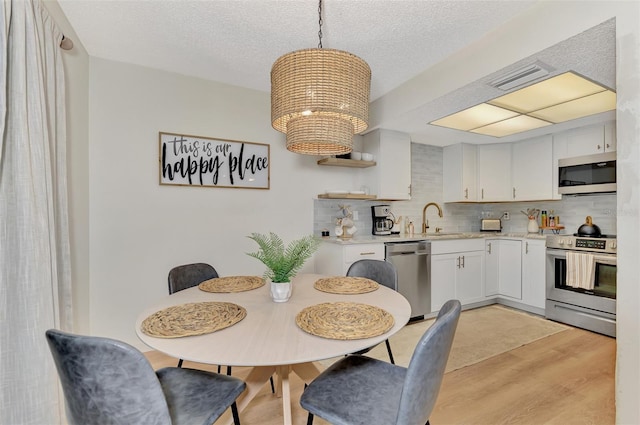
{"x":425,"y":222}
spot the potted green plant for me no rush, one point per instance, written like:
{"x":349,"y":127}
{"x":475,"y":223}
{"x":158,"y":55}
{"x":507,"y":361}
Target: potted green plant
{"x":282,"y":262}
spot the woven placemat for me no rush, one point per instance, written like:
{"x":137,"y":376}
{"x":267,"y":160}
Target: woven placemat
{"x":231,"y":284}
{"x":344,"y":320}
{"x":192,"y":319}
{"x":346,"y":285}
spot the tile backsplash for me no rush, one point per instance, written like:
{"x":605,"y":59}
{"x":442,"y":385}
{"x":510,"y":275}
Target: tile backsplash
{"x":426,"y":183}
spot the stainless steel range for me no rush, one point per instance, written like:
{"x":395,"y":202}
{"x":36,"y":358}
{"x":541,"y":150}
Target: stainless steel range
{"x":581,"y":281}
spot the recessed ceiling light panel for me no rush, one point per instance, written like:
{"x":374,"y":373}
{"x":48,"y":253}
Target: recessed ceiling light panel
{"x":585,"y":106}
{"x":511,"y":126}
{"x":474,"y":117}
{"x":556,"y":90}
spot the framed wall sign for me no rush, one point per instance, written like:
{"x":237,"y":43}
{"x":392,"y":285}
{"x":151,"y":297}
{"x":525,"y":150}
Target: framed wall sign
{"x":203,"y":161}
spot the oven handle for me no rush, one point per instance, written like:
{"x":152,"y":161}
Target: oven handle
{"x":599,"y":257}
{"x":606,"y":259}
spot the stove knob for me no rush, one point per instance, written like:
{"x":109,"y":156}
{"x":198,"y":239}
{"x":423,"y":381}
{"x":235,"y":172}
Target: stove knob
{"x":560,"y":242}
{"x":569,"y":242}
{"x":613,"y":245}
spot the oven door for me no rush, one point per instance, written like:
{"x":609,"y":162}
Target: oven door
{"x":601,"y":298}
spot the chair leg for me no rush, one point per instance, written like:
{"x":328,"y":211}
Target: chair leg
{"x":218,"y":368}
{"x":310,"y":419}
{"x":180,"y":363}
{"x":234,"y":413}
{"x":229,"y":370}
{"x":273,"y":388}
{"x":389,"y":351}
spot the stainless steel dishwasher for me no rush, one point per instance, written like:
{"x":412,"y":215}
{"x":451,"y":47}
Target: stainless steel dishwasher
{"x":413,"y":262}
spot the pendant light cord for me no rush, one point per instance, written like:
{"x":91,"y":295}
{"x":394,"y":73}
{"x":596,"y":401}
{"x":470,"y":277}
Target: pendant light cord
{"x":320,"y":24}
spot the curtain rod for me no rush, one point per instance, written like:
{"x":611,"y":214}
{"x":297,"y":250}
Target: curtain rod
{"x":66,"y":43}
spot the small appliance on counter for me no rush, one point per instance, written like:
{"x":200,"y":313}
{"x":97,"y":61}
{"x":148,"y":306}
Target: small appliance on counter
{"x":382,"y":222}
{"x":491,"y":225}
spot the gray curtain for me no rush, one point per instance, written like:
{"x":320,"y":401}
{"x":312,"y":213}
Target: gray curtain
{"x":35,"y":284}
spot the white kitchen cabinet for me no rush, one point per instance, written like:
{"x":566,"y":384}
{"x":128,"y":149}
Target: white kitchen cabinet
{"x":491,"y":269}
{"x":459,"y":173}
{"x":510,"y":268}
{"x":494,"y":172}
{"x":532,"y":169}
{"x":587,"y":140}
{"x":457,"y":271}
{"x":390,"y":179}
{"x":533,"y":273}
{"x":333,"y":259}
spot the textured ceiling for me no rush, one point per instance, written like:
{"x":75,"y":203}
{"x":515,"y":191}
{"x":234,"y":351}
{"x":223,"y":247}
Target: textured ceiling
{"x":237,"y":41}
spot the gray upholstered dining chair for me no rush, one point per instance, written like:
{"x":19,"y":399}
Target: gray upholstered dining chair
{"x":190,"y":275}
{"x":106,"y":381}
{"x":361,"y":390}
{"x":187,"y":276}
{"x":385,"y":274}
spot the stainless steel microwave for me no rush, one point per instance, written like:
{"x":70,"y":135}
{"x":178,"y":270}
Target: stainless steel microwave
{"x":587,"y":174}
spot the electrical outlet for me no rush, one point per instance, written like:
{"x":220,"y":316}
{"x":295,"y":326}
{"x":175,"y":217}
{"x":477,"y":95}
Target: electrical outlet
{"x":506,"y":215}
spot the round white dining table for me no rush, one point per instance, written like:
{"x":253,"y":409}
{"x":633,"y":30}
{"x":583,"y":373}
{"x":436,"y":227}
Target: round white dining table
{"x":268,"y":339}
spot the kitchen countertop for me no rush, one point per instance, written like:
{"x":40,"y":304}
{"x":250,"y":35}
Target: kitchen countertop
{"x":430,"y":237}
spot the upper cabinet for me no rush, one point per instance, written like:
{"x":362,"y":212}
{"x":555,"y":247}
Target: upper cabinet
{"x":581,"y":141}
{"x":390,"y":179}
{"x":532,"y":169}
{"x":518,"y":171}
{"x":586,"y":140}
{"x":494,"y":172}
{"x":459,"y":173}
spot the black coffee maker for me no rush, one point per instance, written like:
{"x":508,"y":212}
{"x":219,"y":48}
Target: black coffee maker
{"x":382,"y":223}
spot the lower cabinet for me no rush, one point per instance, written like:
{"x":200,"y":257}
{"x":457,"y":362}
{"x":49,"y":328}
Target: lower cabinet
{"x":457,"y":271}
{"x":334,"y":259}
{"x":533,"y":273}
{"x":515,"y":270}
{"x":510,"y":269}
{"x":491,"y":265}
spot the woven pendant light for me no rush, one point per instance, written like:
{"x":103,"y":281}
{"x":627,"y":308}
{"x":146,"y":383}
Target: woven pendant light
{"x":320,"y":99}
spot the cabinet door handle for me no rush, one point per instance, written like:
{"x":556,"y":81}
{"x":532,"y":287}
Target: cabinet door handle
{"x":599,"y":147}
{"x":608,"y":145}
{"x":526,"y":247}
{"x":482,"y":193}
{"x":489,"y":245}
{"x":466,"y":193}
{"x":463,"y":261}
{"x":514,"y":193}
{"x":458,"y":262}
{"x":367,"y":253}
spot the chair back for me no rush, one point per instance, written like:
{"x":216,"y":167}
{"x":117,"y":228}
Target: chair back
{"x":106,"y":381}
{"x":426,"y":369}
{"x":381,"y":271}
{"x":188,"y":275}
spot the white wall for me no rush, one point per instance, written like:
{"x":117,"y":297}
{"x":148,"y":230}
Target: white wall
{"x":140,"y":229}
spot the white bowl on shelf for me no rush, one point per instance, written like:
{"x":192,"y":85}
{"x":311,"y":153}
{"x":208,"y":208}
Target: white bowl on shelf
{"x":366,"y":156}
{"x":356,"y":155}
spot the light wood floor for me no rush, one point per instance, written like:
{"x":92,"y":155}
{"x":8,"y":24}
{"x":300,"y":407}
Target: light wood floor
{"x":566,"y":378}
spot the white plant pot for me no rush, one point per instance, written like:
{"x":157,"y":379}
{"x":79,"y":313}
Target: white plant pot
{"x":280,"y":291}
